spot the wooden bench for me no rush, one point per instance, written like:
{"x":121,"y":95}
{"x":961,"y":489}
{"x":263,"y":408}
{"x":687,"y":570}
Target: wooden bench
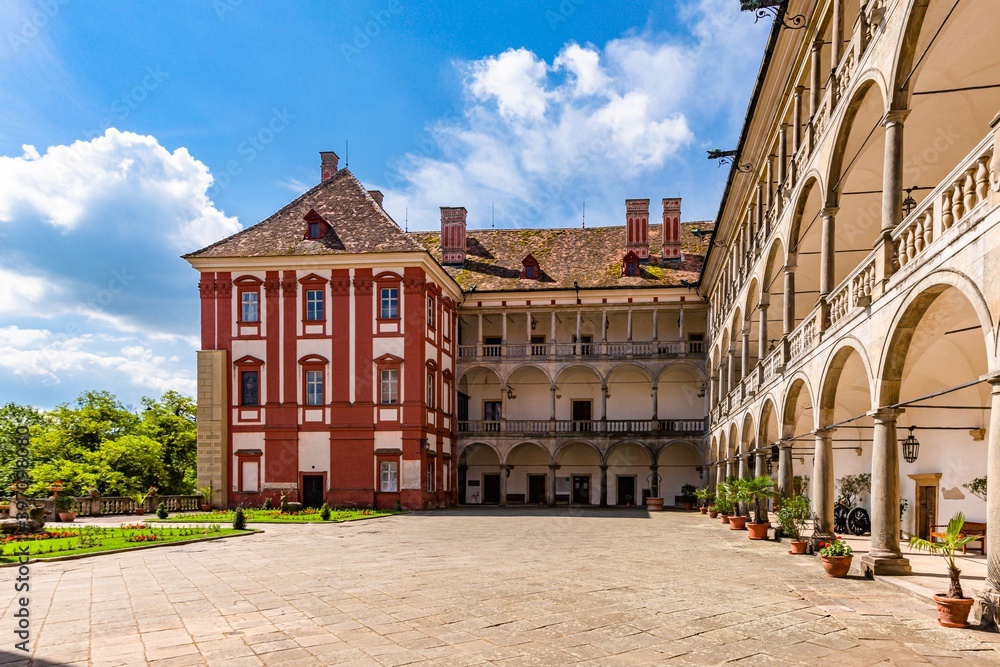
{"x":970,"y":528}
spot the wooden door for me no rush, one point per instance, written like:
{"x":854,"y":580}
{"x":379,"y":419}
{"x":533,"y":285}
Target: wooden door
{"x":926,"y":510}
{"x":581,"y":489}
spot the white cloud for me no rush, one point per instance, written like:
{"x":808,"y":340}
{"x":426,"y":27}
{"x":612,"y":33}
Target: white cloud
{"x":595,"y":124}
{"x":67,"y":182}
{"x":91,"y":282}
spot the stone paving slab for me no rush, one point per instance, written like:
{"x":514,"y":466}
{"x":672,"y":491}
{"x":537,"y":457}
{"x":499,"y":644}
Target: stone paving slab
{"x":479,"y":587}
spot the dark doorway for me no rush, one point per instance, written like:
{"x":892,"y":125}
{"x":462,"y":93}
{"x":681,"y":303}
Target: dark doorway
{"x":491,"y":488}
{"x":582,"y":415}
{"x":492,"y":346}
{"x":312,"y":490}
{"x":581,"y":489}
{"x":626,"y":489}
{"x":536,"y":489}
{"x":926,"y":510}
{"x":491,"y":416}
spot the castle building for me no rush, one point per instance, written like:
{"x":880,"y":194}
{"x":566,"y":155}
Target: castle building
{"x":346,"y":361}
{"x":853,"y":277}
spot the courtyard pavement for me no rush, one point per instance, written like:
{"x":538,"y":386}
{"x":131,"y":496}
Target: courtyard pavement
{"x":478,"y":587}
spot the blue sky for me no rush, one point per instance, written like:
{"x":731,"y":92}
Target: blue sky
{"x":131,"y":133}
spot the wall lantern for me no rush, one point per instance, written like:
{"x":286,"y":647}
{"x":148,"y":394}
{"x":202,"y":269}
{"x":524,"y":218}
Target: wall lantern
{"x":911,"y":447}
{"x":774,"y":457}
{"x":510,"y":393}
{"x":534,"y":323}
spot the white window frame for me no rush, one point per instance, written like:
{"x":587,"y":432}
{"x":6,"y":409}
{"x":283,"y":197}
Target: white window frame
{"x":389,"y":303}
{"x":249,"y":299}
{"x":389,"y":386}
{"x":314,"y":387}
{"x":314,"y":298}
{"x":388,"y":473}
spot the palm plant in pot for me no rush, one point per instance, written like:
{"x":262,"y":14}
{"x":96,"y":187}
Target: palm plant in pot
{"x":740,"y":495}
{"x":792,"y":516}
{"x":705,"y":498}
{"x":724,"y":500}
{"x":953,"y":606}
{"x":206,"y":497}
{"x":758,"y":490}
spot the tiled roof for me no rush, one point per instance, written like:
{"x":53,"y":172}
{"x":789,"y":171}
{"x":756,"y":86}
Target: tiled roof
{"x":591,"y":257}
{"x":358,"y":225}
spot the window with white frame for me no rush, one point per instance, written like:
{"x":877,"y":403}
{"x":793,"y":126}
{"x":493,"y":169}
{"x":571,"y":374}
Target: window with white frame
{"x":430,"y":312}
{"x":249,"y":307}
{"x":430,"y":390}
{"x":389,"y":303}
{"x":314,"y":305}
{"x":389,"y":386}
{"x":388,"y":476}
{"x":314,"y":387}
{"x":430,"y":476}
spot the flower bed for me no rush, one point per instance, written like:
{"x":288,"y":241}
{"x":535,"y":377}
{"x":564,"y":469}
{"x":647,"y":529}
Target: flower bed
{"x":337,"y":515}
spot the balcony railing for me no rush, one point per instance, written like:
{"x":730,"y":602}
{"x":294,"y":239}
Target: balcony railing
{"x":607,"y":350}
{"x":603,"y":426}
{"x":803,"y":338}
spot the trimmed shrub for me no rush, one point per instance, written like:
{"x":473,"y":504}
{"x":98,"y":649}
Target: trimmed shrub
{"x":239,"y":519}
{"x":161,"y":511}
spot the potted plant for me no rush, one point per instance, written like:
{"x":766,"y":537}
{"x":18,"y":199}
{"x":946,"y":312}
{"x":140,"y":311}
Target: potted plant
{"x":713,"y":511}
{"x":206,"y":497}
{"x":836,"y":556}
{"x":953,"y":606}
{"x":704,"y":497}
{"x":687,"y":495}
{"x":792,"y":516}
{"x":140,"y":502}
{"x":628,"y":500}
{"x":93,"y":492}
{"x":724,"y":500}
{"x":740,"y":494}
{"x":758,"y":490}
{"x":66,"y":508}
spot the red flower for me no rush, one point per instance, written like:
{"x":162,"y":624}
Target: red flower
{"x":822,"y":544}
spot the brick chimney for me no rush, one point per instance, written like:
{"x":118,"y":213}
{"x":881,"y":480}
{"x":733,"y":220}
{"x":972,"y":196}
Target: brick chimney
{"x":672,"y":228}
{"x":637,"y":227}
{"x":377,"y":196}
{"x":453,"y":235}
{"x":327,"y":164}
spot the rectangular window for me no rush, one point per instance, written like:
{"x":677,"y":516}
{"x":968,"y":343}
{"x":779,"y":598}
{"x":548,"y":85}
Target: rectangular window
{"x":389,"y":307}
{"x":249,"y":388}
{"x":430,"y":312}
{"x":388,"y":475}
{"x":249,"y":307}
{"x":430,"y":390}
{"x":430,"y":476}
{"x":530,"y":271}
{"x":314,"y":387}
{"x":389,"y":386}
{"x":314,"y":305}
{"x":314,"y":230}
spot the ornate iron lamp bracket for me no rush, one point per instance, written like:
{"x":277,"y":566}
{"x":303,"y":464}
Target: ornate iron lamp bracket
{"x":729,"y":157}
{"x":776,"y":8}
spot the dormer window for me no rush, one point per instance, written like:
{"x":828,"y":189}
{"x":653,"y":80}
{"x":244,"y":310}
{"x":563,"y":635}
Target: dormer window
{"x":530,"y":270}
{"x":630,"y":265}
{"x":316,"y":226}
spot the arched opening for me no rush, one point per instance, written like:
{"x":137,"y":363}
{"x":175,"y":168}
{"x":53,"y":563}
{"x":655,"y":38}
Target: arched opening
{"x":805,"y":247}
{"x":736,"y":345}
{"x":480,"y":403}
{"x":578,"y":475}
{"x":479,"y":475}
{"x":798,"y":422}
{"x":629,"y":396}
{"x":628,"y":474}
{"x":529,"y":401}
{"x":528,"y":463}
{"x":677,"y":394}
{"x":769,"y":433}
{"x":939,"y":344}
{"x":773,"y":295}
{"x":753,"y":324}
{"x":748,"y":443}
{"x":678,"y":464}
{"x":579,"y":397}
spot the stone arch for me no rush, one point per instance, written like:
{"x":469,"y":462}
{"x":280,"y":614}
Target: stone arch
{"x":768,"y":417}
{"x":527,"y":470}
{"x":860,"y":90}
{"x":576,"y":441}
{"x":679,"y":462}
{"x":577,"y":367}
{"x":526,"y":365}
{"x":910,"y":314}
{"x":733,"y":440}
{"x":748,"y":435}
{"x":792,"y":395}
{"x":831,"y":374}
{"x":516,"y":452}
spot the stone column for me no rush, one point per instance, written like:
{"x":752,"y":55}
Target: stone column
{"x":892,"y":192}
{"x":552,"y":411}
{"x":552,"y":344}
{"x":987,"y":608}
{"x":885,"y":556}
{"x":782,"y":157}
{"x":604,"y":325}
{"x":578,"y":348}
{"x":503,"y":332}
{"x":504,"y":471}
{"x":760,"y":461}
{"x":629,"y":325}
{"x":731,"y":370}
{"x":745,"y":354}
{"x":604,"y":402}
{"x":814,"y":83}
{"x":551,"y":491}
{"x":762,"y":343}
{"x":680,"y":324}
{"x":604,"y":485}
{"x":837,"y":37}
{"x":786,"y":472}
{"x":656,"y":391}
{"x":789,"y":314}
{"x":527,"y":332}
{"x":730,"y":467}
{"x":720,"y":475}
{"x":823,"y":485}
{"x":797,"y":119}
{"x":479,"y":336}
{"x":656,"y":324}
{"x":828,"y":251}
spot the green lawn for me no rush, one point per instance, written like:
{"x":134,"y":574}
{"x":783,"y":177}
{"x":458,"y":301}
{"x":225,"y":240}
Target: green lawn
{"x":95,"y":539}
{"x":275,"y":516}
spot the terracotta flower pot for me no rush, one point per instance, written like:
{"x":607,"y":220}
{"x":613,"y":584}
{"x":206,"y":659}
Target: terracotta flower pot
{"x":654,"y":504}
{"x":206,"y":508}
{"x":724,"y":518}
{"x":758,"y":531}
{"x":713,"y":514}
{"x":67,"y":517}
{"x":703,"y":510}
{"x":953,"y":612}
{"x":798,"y":546}
{"x":737,"y":522}
{"x":836,"y":566}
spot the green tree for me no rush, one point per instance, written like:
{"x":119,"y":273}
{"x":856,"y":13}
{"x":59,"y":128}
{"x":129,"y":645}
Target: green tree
{"x":171,"y":421}
{"x":137,"y":458}
{"x":11,"y":417}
